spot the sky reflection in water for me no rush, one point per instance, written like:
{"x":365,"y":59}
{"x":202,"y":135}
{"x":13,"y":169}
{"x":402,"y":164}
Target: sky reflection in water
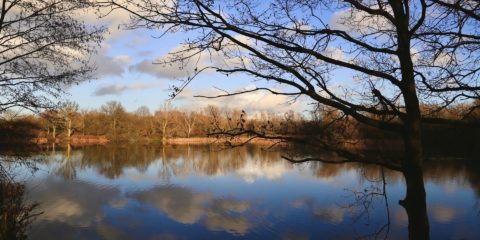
{"x":197,"y":192}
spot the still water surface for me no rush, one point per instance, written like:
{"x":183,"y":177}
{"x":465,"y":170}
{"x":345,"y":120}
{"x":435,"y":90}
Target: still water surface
{"x":199,"y":192}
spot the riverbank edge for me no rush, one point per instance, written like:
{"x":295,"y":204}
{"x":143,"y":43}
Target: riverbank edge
{"x":103,"y":140}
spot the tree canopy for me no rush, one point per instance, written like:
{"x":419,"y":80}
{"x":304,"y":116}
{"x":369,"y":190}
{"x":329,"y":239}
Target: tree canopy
{"x":43,"y":50}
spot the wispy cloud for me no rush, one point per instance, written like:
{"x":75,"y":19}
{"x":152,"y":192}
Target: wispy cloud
{"x":183,"y":61}
{"x":117,"y":89}
{"x":254,"y":102}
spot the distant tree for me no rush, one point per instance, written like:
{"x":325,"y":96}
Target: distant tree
{"x":43,"y":49}
{"x":143,"y":111}
{"x":68,"y":111}
{"x":53,"y":119}
{"x":115,"y":112}
{"x":215,"y":120}
{"x":189,"y":121}
{"x":9,"y":115}
{"x":145,"y":121}
{"x":97,"y":123}
{"x":164,"y":119}
{"x":83,"y":115}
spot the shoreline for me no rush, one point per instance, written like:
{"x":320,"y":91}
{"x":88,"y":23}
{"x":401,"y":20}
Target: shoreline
{"x":103,"y":140}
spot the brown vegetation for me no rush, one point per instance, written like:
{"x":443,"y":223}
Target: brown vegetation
{"x":112,"y":123}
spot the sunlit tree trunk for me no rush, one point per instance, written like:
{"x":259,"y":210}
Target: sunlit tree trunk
{"x":164,"y":132}
{"x":54,"y":132}
{"x":69,"y":128}
{"x":114,"y":128}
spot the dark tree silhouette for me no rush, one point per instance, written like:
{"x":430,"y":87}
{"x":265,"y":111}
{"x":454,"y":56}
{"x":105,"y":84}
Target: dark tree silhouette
{"x":43,"y":49}
{"x":401,"y":54}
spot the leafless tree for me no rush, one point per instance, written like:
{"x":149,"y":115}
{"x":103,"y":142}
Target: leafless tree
{"x":68,"y":111}
{"x":53,"y":119}
{"x":115,"y":111}
{"x":164,"y":118}
{"x":402,"y":53}
{"x":189,"y":120}
{"x":43,"y":49}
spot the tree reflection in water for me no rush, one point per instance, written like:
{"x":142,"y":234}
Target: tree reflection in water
{"x":15,"y":213}
{"x":414,"y":203}
{"x":234,"y":213}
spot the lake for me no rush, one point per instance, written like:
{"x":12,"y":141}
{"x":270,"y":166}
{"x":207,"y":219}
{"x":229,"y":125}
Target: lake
{"x":206,"y":192}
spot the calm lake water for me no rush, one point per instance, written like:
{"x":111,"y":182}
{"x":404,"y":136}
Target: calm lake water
{"x":200,"y":192}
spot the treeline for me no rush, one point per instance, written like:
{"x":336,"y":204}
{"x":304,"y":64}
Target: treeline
{"x":452,"y":138}
{"x":111,"y":122}
{"x":114,"y":123}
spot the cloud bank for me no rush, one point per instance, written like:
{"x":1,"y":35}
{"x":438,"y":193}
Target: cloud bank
{"x":117,"y":89}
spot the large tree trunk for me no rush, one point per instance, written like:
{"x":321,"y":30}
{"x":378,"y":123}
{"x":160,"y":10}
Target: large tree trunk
{"x":415,"y":200}
{"x":415,"y":204}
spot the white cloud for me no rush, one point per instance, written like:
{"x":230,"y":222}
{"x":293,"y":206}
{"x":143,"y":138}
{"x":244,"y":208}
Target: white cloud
{"x":253,"y":103}
{"x":122,"y":59}
{"x":117,"y":89}
{"x":99,"y":17}
{"x":335,"y":53}
{"x":169,"y":66}
{"x":109,"y":65}
{"x":114,"y":19}
{"x":356,"y":21}
{"x":165,"y":67}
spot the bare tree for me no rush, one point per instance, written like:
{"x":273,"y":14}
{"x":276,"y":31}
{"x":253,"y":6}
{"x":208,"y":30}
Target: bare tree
{"x":144,"y":113}
{"x":115,"y":111}
{"x":189,"y":121}
{"x":68,"y":111}
{"x":43,"y":49}
{"x":54,"y":120}
{"x":164,"y":118}
{"x":402,"y":53}
{"x":9,"y":115}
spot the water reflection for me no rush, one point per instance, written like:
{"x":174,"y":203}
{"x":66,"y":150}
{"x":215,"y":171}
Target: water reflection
{"x":184,"y":206}
{"x":15,"y":213}
{"x":191,"y":192}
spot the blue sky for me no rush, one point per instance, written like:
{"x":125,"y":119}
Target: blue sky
{"x":120,"y":78}
{"x":126,"y":73}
